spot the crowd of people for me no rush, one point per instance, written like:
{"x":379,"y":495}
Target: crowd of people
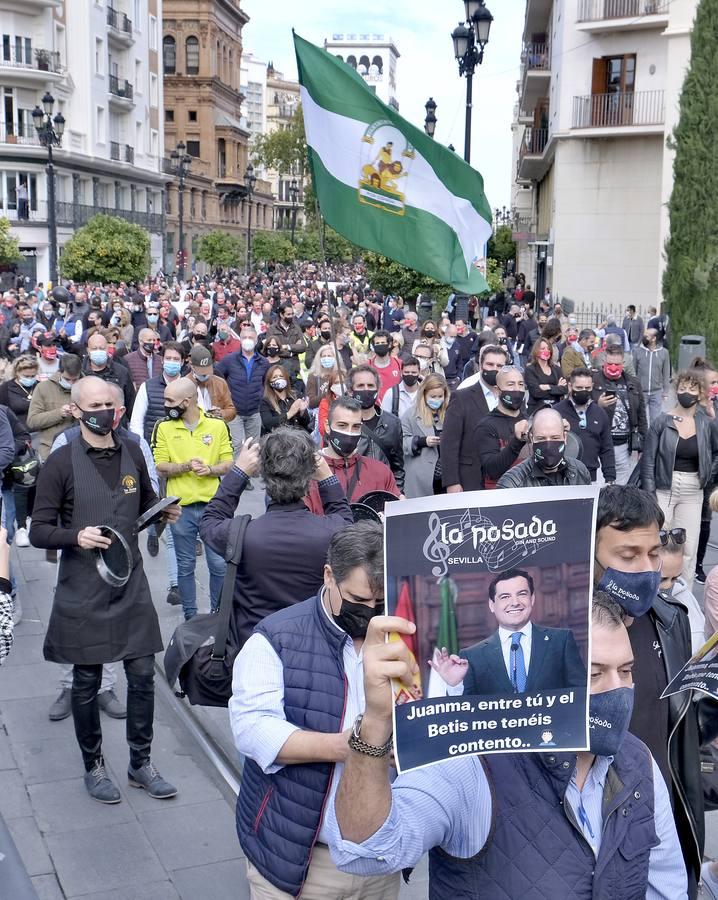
{"x":319,"y":390}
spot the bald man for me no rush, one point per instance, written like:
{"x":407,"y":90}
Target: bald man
{"x":93,"y":622}
{"x":100,"y":364}
{"x":145,"y":362}
{"x":193,"y":451}
{"x":547,"y":464}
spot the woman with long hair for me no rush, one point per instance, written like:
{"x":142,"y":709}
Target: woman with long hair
{"x":705,"y":370}
{"x":422,"y":425}
{"x":280,"y":405}
{"x":679,"y":460}
{"x":544,"y":381}
{"x":325,"y":369}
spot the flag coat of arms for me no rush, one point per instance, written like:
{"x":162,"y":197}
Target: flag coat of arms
{"x":384,"y":184}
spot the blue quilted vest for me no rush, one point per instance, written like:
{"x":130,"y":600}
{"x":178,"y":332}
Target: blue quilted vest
{"x":536,"y":852}
{"x":155,"y":388}
{"x":278,"y":816}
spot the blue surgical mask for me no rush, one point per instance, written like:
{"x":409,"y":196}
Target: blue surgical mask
{"x":98,"y":357}
{"x":152,"y":319}
{"x":633,"y":591}
{"x":171,"y":367}
{"x":65,"y":384}
{"x":28,"y":381}
{"x":609,"y":715}
{"x":328,"y":362}
{"x":434,"y":402}
{"x":200,"y":378}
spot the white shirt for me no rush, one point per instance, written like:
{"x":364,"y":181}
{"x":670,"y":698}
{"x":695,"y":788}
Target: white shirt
{"x":256,"y":708}
{"x":492,"y":401}
{"x":139,"y":411}
{"x":505,"y":638}
{"x":406,"y":399}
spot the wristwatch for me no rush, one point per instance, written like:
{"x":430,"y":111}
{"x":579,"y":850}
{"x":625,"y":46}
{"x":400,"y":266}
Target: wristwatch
{"x":360,"y":746}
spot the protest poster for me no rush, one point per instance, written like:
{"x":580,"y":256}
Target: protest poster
{"x":700,"y":673}
{"x":503,"y":580}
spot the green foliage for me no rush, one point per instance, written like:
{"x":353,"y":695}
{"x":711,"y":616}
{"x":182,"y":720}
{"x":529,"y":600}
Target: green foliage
{"x":107,"y":249}
{"x":219,"y":248}
{"x":493,"y":276}
{"x":272,"y":245}
{"x":391,"y":277}
{"x":284,"y":150}
{"x":9,"y":248}
{"x":336,"y":248}
{"x":691,"y":275}
{"x":501,"y":246}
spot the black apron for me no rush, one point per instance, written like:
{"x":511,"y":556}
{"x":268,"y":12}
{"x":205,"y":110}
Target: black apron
{"x":92,"y":622}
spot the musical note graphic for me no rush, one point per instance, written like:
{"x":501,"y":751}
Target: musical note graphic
{"x":434,"y":550}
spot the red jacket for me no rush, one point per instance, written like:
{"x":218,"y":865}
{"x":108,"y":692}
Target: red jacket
{"x":373,"y":476}
{"x":222,"y":349}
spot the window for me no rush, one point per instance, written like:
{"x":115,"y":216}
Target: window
{"x":138,"y":14}
{"x":191,"y":115}
{"x":154,"y":90}
{"x":612,"y":85}
{"x":138,"y":76}
{"x":192,"y":55}
{"x":193,"y":149}
{"x":153,"y":32}
{"x":169,"y":115}
{"x":100,"y":118}
{"x":169,"y":54}
{"x":154,"y":142}
{"x":139,"y":141}
{"x":99,"y":57}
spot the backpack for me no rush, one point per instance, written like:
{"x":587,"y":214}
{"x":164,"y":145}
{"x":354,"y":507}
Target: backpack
{"x":202,"y":651}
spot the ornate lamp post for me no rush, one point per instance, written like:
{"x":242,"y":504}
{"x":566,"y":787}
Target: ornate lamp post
{"x":180,"y":163}
{"x":294,"y":196}
{"x":49,"y":132}
{"x":250,"y":179}
{"x":430,"y":120}
{"x":470,"y":38}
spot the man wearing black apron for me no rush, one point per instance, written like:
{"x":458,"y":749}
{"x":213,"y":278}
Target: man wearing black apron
{"x":93,"y":481}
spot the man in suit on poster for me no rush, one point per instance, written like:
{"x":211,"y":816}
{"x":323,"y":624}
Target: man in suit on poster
{"x":519,"y":657}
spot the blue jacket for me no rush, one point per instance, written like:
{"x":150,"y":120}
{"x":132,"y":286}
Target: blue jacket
{"x":246,"y":385}
{"x":536,"y":850}
{"x":279,"y":815}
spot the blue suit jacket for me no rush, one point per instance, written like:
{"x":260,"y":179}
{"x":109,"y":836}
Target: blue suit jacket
{"x":555,"y":663}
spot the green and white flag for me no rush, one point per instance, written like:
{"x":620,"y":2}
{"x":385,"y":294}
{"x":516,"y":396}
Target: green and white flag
{"x":386,"y":185}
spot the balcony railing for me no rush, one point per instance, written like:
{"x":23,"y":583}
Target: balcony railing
{"x":115,"y":151}
{"x":78,"y":214}
{"x":619,"y":109}
{"x":537,"y":56}
{"x":534,"y":142}
{"x":129,"y":154}
{"x":40,"y":61}
{"x":598,"y":10}
{"x":119,"y":21}
{"x":120,"y":87}
{"x":9,"y":136}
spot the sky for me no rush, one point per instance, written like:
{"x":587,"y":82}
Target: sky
{"x":421,"y":31}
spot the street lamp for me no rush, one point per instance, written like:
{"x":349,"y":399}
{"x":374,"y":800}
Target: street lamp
{"x":470,"y":38}
{"x":293,"y":196}
{"x":430,"y":120}
{"x":180,"y":161}
{"x":504,"y":217}
{"x":49,"y":132}
{"x":250,"y":179}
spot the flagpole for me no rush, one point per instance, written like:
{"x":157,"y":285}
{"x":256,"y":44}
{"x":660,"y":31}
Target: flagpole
{"x":320,"y":221}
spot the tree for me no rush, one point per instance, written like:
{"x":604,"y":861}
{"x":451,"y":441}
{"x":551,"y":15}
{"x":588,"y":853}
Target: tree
{"x":689,"y":281}
{"x":391,"y":277}
{"x":493,"y":277}
{"x":9,"y":248}
{"x":501,"y":246}
{"x":269,"y":245}
{"x":221,"y":249}
{"x":284,"y":150}
{"x":107,"y":249}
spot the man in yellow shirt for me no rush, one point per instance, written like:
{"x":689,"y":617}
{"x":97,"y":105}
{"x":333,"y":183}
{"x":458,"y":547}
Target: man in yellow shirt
{"x":192,"y":451}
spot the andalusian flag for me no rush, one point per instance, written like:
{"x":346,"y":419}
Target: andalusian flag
{"x":447,"y":633}
{"x":386,"y":185}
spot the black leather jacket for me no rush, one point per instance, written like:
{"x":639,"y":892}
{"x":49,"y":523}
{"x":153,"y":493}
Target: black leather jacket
{"x":528,"y":474}
{"x":385,"y":442}
{"x":659,"y":452}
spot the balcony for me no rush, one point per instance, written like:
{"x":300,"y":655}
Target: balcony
{"x":121,"y":93}
{"x":115,"y":151}
{"x":75,"y":215}
{"x":538,"y":17}
{"x":535,"y":74}
{"x":610,"y":115}
{"x":22,"y":64}
{"x":120,"y":153}
{"x":120,"y":28}
{"x":600,"y":16}
{"x":532,"y":155}
{"x":9,"y":136}
{"x":129,"y":154}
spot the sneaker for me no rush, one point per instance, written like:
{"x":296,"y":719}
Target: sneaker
{"x":153,"y":544}
{"x":21,"y":538}
{"x":173,"y":596}
{"x":62,"y":707}
{"x":149,"y":778}
{"x":198,"y":548}
{"x":700,"y":576}
{"x":108,"y":701}
{"x":99,"y":786}
{"x":709,"y":882}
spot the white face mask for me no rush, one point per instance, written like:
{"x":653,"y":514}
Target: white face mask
{"x":247,"y":344}
{"x":423,"y":364}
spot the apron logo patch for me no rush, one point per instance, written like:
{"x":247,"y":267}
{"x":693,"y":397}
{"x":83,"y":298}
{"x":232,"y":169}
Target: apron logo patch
{"x":129,"y":484}
{"x":207,"y":439}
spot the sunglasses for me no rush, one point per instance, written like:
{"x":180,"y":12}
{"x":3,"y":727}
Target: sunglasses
{"x":677,"y":535}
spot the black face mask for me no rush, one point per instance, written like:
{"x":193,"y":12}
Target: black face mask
{"x":381,"y":349}
{"x":148,"y":348}
{"x":99,"y":421}
{"x":174,"y":412}
{"x":344,"y":444}
{"x":430,"y":334}
{"x":326,"y":335}
{"x":411,"y":380}
{"x":272,"y":351}
{"x":488,"y":376}
{"x":581,"y":398}
{"x":354,"y":618}
{"x":366,"y":398}
{"x":549,"y":455}
{"x":686,"y":400}
{"x":512,"y":399}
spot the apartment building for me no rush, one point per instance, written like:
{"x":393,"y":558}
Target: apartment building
{"x":281,"y":103}
{"x":202,"y":59}
{"x":99,"y":60}
{"x":597,"y":98}
{"x":374,"y":56}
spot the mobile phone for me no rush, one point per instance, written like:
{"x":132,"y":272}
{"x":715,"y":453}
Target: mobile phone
{"x":610,"y":393}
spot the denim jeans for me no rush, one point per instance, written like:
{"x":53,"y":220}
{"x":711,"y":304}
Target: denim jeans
{"x":654,"y":404}
{"x":185,"y":532}
{"x":140,"y":674}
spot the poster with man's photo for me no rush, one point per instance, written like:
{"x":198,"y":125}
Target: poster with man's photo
{"x":499,"y":586}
